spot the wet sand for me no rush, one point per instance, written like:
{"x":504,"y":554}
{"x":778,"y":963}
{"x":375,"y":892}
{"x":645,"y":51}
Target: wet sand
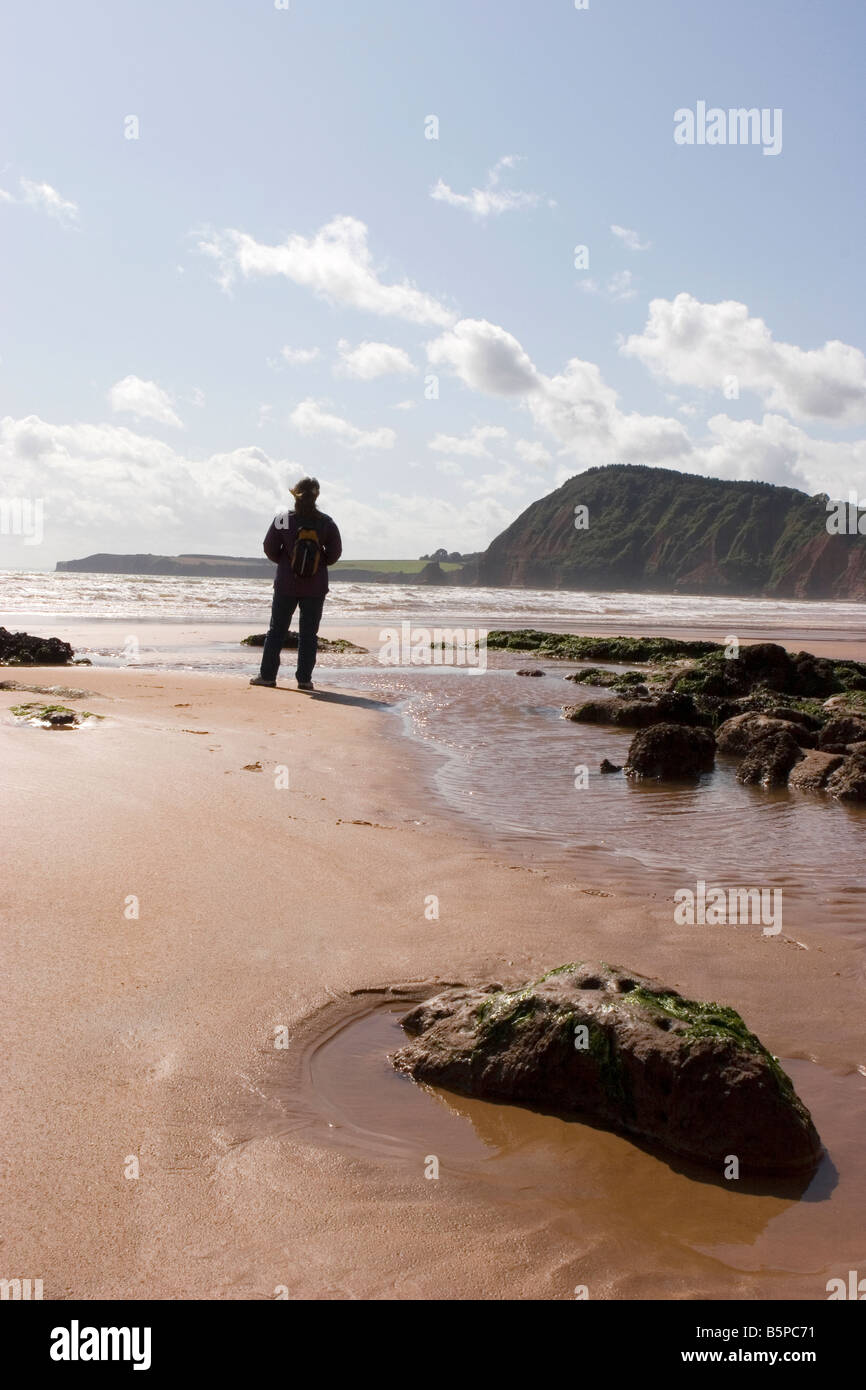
{"x":262,"y":908}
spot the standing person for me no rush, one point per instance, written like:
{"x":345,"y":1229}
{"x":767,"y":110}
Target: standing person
{"x":302,"y":544}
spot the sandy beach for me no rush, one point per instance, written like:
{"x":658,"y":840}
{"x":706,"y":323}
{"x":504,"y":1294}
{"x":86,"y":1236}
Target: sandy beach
{"x":263,"y":911}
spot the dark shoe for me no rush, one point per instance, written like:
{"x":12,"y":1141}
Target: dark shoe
{"x":306,"y":685}
{"x":258,"y":680}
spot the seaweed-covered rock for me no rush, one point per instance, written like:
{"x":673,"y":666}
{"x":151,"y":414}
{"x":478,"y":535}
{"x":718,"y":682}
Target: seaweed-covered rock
{"x":575,"y":648}
{"x":22,"y":649}
{"x":767,"y":667}
{"x":770,"y":759}
{"x":596,"y":1041}
{"x":526,"y":672}
{"x":51,"y":716}
{"x":743,"y":731}
{"x":766,"y":663}
{"x":811,"y":774}
{"x":848,"y":782}
{"x":326,"y":644}
{"x":792,"y":716}
{"x":607,"y":766}
{"x":635,"y":714}
{"x":841,"y":731}
{"x":623,"y":682}
{"x":670,"y":752}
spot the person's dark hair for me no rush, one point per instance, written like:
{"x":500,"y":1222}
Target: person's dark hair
{"x":306,"y":493}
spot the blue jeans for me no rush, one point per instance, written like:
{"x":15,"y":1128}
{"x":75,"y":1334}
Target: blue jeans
{"x":282,"y":610}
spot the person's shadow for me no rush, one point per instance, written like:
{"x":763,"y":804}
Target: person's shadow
{"x":335,"y":698}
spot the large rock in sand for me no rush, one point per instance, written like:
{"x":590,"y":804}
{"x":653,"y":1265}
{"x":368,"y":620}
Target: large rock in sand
{"x":594,"y":1041}
{"x":670,"y":752}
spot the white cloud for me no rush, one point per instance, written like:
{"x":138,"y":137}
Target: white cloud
{"x":297,"y":357}
{"x":630,"y":238}
{"x":485,"y":357}
{"x":450,"y":468}
{"x":405,"y":405}
{"x":310,"y":419}
{"x":490,"y":200}
{"x":582,"y":414}
{"x":696,"y":344}
{"x":43,"y":198}
{"x":775,"y":450}
{"x":335,"y":263}
{"x":473,"y":444}
{"x":113,"y":488}
{"x":576,"y":407}
{"x":370,"y":360}
{"x":619,"y":286}
{"x":532,"y":451}
{"x":394,"y":523}
{"x":509,"y":480}
{"x":130,"y":489}
{"x":145,"y":400}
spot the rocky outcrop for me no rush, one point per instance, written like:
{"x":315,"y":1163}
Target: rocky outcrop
{"x":766,"y":705}
{"x":810,"y":774}
{"x":739,"y":734}
{"x":526,"y":672}
{"x":598,"y":1042}
{"x":838,"y":733}
{"x":770,"y":759}
{"x":792,"y":716}
{"x":848,"y":782}
{"x":635,"y":714}
{"x":22,"y":649}
{"x":670,"y":752}
{"x":767,"y":667}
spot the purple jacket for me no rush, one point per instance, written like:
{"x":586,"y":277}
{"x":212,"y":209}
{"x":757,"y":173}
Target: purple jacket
{"x":278,"y":546}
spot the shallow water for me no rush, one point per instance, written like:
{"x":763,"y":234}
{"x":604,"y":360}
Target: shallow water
{"x":509,"y":763}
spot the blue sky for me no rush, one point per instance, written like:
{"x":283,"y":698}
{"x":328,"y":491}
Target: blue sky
{"x":263,"y":281}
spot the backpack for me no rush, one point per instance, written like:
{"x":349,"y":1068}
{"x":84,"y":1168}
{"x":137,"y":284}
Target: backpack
{"x":306,"y":552}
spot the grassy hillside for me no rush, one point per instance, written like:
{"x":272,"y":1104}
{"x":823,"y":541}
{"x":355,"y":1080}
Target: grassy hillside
{"x":658,"y":530}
